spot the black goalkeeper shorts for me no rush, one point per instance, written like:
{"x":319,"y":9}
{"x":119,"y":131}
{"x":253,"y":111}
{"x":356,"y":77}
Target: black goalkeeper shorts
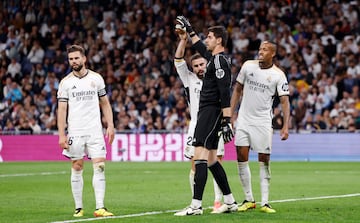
{"x":208,"y":127}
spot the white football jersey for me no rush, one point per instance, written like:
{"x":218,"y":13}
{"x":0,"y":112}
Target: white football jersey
{"x":260,"y":88}
{"x":82,"y":96}
{"x":191,"y":81}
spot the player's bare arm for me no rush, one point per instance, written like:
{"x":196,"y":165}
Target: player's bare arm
{"x":107,"y":111}
{"x":285,"y":105}
{"x":180,"y":50}
{"x":61,"y":123}
{"x":236,"y":95}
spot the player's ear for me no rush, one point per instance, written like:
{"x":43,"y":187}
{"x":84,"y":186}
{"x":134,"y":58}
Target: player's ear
{"x":219,"y":41}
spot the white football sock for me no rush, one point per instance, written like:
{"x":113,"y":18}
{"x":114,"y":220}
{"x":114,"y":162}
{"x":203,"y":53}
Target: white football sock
{"x":196,"y":203}
{"x":245,"y":178}
{"x":229,"y":199}
{"x":77,"y":184}
{"x":264,"y":182}
{"x":99,"y":184}
{"x":191,"y":181}
{"x":217,"y":191}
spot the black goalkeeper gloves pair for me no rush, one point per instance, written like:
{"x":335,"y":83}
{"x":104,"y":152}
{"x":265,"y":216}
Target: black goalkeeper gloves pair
{"x":226,"y":130}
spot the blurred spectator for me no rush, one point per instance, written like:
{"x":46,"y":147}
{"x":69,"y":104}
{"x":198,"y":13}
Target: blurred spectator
{"x":14,"y":93}
{"x":9,"y":127}
{"x":319,"y":123}
{"x":24,"y":126}
{"x":326,"y":119}
{"x":166,"y":101}
{"x":170,"y":120}
{"x":308,"y":55}
{"x":309,"y":124}
{"x":12,"y":51}
{"x":300,"y":113}
{"x":331,"y":89}
{"x":14,"y":70}
{"x":322,"y":101}
{"x":36,"y":129}
{"x":36,"y":54}
{"x":343,"y":120}
{"x":240,"y":42}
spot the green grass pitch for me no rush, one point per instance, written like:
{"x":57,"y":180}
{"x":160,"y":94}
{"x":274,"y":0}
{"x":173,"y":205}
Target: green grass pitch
{"x":151,"y":192}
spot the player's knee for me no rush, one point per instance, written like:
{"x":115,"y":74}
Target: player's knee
{"x":77,"y":166}
{"x":265,"y":158}
{"x":242,"y":153}
{"x":242,"y":158}
{"x":99,"y":167}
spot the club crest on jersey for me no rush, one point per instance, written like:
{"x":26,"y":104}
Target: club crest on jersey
{"x":220,"y":73}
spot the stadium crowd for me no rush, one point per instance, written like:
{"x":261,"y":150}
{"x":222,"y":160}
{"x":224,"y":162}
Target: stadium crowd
{"x":132,"y":44}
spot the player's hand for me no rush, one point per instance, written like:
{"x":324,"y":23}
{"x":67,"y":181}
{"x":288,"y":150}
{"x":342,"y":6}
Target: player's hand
{"x":184,"y":22}
{"x":284,"y":134}
{"x":181,"y":31}
{"x":63,"y":142}
{"x":226,"y":129}
{"x":183,"y":36}
{"x":110,"y":134}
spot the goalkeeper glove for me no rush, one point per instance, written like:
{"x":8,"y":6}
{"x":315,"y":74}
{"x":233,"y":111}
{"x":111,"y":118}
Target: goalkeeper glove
{"x":226,"y":129}
{"x":185,"y":23}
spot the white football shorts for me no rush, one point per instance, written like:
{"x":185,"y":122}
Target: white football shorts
{"x":91,"y":146}
{"x":259,"y":138}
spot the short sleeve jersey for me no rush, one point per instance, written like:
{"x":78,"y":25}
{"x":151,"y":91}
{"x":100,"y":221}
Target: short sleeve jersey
{"x":193,"y":83}
{"x":260,"y":88}
{"x":82,"y":95}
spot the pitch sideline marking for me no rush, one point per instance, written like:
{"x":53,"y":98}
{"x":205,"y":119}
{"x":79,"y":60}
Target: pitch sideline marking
{"x":316,"y":198}
{"x":32,"y":174}
{"x":169,"y":211}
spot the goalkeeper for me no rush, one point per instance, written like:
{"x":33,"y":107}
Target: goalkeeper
{"x":213,"y":117}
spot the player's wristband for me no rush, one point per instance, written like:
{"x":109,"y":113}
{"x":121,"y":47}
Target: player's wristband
{"x":178,"y":59}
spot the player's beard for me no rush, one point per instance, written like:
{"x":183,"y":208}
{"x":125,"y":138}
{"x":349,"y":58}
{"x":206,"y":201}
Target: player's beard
{"x":77,"y":68}
{"x":200,"y":74}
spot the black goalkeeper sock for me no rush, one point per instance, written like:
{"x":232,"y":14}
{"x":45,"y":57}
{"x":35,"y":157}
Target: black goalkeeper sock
{"x":200,"y":178}
{"x":220,"y":177}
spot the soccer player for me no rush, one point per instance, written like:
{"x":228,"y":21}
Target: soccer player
{"x":192,"y":82}
{"x":81,"y":94}
{"x":213,"y":117}
{"x":258,"y":82}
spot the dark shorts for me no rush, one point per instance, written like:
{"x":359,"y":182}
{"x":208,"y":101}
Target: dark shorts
{"x":207,"y":127}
